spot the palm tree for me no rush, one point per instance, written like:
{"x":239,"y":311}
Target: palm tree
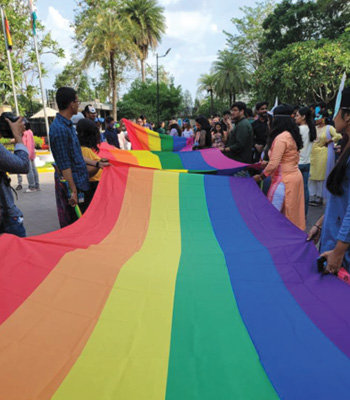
{"x":230,"y":75}
{"x":148,"y":26}
{"x":104,"y":33}
{"x":207,"y":82}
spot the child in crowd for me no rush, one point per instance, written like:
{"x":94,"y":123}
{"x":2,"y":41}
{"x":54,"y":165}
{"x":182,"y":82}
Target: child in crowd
{"x":218,"y":137}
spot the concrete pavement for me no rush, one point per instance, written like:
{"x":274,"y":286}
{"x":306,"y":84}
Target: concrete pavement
{"x":39,"y":208}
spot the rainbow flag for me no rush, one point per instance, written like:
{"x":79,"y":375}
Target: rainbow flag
{"x":182,"y":286}
{"x":145,"y":139}
{"x":206,"y":161}
{"x":8,"y":38}
{"x":33,"y":16}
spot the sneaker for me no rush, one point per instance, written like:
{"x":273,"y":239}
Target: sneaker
{"x":313,"y":201}
{"x":30,"y":190}
{"x":19,"y":187}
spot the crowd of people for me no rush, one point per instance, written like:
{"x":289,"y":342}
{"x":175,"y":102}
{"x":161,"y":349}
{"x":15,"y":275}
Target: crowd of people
{"x":293,"y":151}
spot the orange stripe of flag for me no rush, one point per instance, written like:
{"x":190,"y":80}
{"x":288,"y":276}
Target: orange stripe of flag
{"x":8,"y":34}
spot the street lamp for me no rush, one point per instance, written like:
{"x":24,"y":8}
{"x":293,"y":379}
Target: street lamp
{"x":164,"y":55}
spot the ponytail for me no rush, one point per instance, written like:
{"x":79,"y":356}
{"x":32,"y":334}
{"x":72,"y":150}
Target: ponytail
{"x":306,"y":112}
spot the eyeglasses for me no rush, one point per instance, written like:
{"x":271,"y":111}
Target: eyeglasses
{"x":77,"y":101}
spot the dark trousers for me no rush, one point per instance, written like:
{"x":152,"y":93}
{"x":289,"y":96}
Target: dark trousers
{"x":305,"y":171}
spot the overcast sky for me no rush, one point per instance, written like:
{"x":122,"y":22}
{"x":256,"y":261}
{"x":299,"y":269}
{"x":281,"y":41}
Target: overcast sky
{"x":194,"y":34}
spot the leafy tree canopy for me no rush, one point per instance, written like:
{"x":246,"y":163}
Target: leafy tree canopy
{"x":141,"y":99}
{"x":23,"y":55}
{"x":303,"y":20}
{"x":250,"y":32}
{"x":304,"y":72}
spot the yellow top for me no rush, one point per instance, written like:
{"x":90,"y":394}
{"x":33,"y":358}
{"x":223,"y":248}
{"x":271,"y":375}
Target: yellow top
{"x":319,"y":153}
{"x":87,"y":152}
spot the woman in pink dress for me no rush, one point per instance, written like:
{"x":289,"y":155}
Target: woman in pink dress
{"x":286,"y":192}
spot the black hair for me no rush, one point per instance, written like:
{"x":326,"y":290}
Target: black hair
{"x":249,"y":112}
{"x":64,"y":96}
{"x":88,"y":134}
{"x":306,"y":112}
{"x":204,"y":123}
{"x":260,"y":104}
{"x":221,"y":128}
{"x":27,"y":125}
{"x":282,"y":121}
{"x":176,"y":126}
{"x":240,"y":105}
{"x":337,"y":175}
{"x":142,"y":117}
{"x":109,"y":119}
{"x":226,"y":112}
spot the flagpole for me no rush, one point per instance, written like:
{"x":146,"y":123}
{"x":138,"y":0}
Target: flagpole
{"x":10,"y":62}
{"x":43,"y":96}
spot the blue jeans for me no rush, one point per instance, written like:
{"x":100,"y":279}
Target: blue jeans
{"x":305,"y":171}
{"x":14,"y":225}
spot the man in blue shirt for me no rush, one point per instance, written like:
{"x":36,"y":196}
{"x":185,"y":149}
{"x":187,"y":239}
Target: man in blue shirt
{"x":65,"y":145}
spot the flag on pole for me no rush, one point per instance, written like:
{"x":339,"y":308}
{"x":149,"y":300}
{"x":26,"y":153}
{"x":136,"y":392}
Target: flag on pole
{"x":8,"y":38}
{"x":34,"y":17}
{"x":341,"y":88}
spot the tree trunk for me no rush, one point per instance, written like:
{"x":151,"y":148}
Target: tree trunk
{"x":114,"y":85}
{"x":234,"y":97}
{"x":143,"y":73}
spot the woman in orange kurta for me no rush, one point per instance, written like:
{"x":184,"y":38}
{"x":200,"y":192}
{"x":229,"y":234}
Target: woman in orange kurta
{"x":286,"y":192}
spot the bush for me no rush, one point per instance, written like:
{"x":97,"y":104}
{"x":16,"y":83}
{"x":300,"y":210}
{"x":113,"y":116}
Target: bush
{"x":7,"y":143}
{"x":38,"y":142}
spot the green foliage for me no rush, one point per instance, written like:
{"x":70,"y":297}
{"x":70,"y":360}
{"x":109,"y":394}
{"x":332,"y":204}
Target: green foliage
{"x":28,"y":106}
{"x":231,"y":76}
{"x":7,"y":143}
{"x":38,"y":142}
{"x":304,"y":72}
{"x":73,"y":75}
{"x":142,"y":98}
{"x":302,"y":21}
{"x":23,"y":55}
{"x":148,"y":25}
{"x":203,"y":107}
{"x":105,"y":34}
{"x":228,"y":78}
{"x":206,"y":83}
{"x":250,"y":32}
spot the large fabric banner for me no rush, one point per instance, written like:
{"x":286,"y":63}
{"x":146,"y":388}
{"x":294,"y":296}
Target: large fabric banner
{"x":142,"y":138}
{"x":171,"y":286}
{"x":200,"y":161}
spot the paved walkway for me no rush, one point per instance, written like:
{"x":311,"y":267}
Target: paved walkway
{"x":39,"y":208}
